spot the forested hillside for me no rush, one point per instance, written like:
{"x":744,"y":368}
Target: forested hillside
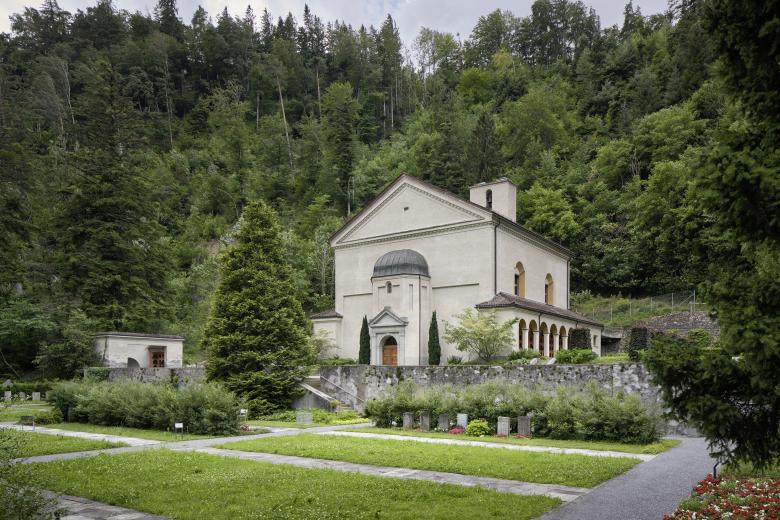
{"x":129,"y":145}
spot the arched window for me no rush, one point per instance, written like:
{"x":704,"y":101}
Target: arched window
{"x":389,"y":287}
{"x":520,"y":280}
{"x":489,"y":199}
{"x":549,"y":287}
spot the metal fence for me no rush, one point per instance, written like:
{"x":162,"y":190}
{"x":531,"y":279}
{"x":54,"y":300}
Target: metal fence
{"x":628,"y":310}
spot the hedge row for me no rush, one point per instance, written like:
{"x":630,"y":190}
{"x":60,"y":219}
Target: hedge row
{"x":204,"y":408}
{"x":586,"y":414}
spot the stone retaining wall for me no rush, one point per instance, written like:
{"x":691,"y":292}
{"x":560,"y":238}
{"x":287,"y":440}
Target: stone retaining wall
{"x":179,"y":376}
{"x":357,"y":384}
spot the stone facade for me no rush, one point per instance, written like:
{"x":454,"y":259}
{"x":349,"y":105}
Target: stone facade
{"x":357,"y":384}
{"x":136,"y":350}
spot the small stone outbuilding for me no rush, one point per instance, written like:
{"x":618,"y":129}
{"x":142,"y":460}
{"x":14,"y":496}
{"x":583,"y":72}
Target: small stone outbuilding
{"x":136,"y":350}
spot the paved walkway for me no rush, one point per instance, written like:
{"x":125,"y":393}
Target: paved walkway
{"x":77,"y":508}
{"x":482,"y":444}
{"x":565,"y":493}
{"x":647,"y":491}
{"x":130,"y":441}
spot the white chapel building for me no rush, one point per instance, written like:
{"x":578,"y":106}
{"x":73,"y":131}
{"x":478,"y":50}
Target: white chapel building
{"x":417,"y":249}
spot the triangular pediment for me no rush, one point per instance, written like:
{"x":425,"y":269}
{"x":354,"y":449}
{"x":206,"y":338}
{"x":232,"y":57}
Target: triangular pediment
{"x":409,"y":205}
{"x":387,"y":318}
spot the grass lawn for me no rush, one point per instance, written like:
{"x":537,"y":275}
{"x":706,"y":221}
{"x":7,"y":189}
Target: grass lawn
{"x":747,"y":470}
{"x":185,"y":485}
{"x":15,"y":413}
{"x":154,"y":435}
{"x":288,"y":424}
{"x":621,"y":357}
{"x":647,"y":449}
{"x":546,"y":468}
{"x":31,"y":444}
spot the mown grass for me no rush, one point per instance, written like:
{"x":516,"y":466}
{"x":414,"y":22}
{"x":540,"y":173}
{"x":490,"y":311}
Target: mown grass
{"x":13,"y":414}
{"x":31,"y":444}
{"x":546,"y":468}
{"x":124,"y":431}
{"x":645,"y":449}
{"x":289,"y":424}
{"x":197,"y":486}
{"x":621,"y":357}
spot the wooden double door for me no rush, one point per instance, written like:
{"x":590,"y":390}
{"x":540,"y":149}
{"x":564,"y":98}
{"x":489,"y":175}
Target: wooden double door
{"x":390,"y":351}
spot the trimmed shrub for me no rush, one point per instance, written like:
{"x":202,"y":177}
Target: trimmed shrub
{"x":700,"y":337}
{"x":28,"y":387}
{"x":477,"y":428}
{"x":639,"y":341}
{"x":589,"y":413}
{"x":520,"y":357}
{"x":454,"y":360}
{"x":575,"y":356}
{"x":204,"y":408}
{"x":579,"y":339}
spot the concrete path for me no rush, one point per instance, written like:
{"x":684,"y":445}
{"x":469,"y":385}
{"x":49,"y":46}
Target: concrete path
{"x":646,"y":492}
{"x":130,"y":441}
{"x":565,"y":493}
{"x":77,"y":508}
{"x":482,"y":444}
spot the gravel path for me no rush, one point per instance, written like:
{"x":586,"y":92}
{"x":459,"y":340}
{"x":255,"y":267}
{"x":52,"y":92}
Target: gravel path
{"x":646,"y":492}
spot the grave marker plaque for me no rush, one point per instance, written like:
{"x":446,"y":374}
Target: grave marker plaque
{"x":463,"y":420}
{"x":303,"y":417}
{"x":444,"y":422}
{"x":36,"y":396}
{"x":524,"y":425}
{"x":408,"y":420}
{"x":503,"y":427}
{"x":425,"y":420}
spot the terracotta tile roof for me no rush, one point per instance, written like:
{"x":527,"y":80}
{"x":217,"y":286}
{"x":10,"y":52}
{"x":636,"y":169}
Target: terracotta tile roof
{"x":503,"y":299}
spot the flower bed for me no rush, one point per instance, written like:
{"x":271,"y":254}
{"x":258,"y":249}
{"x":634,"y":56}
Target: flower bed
{"x":740,"y":498}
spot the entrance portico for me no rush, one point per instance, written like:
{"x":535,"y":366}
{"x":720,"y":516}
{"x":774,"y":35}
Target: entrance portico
{"x":388,"y":332}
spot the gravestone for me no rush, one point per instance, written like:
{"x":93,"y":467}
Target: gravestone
{"x":425,"y":420}
{"x":7,"y":395}
{"x":524,"y":425}
{"x":463,"y":420}
{"x":7,"y":384}
{"x":444,"y":422}
{"x":503,"y":427}
{"x":22,"y":396}
{"x":408,"y":420}
{"x":303,"y":417}
{"x":36,"y":396}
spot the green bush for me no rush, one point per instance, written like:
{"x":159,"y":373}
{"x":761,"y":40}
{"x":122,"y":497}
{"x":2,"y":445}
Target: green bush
{"x":579,"y":339}
{"x":700,"y":337}
{"x":28,"y":387}
{"x":332,"y":362}
{"x":454,"y":360}
{"x":477,"y":428}
{"x":638,"y":341}
{"x":203,"y":408}
{"x":575,"y":356}
{"x":96,"y":374}
{"x":318,"y":416}
{"x":520,"y":357}
{"x":589,"y":413}
{"x":52,"y":416}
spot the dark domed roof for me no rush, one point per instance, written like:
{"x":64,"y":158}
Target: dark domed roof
{"x":403,"y":261}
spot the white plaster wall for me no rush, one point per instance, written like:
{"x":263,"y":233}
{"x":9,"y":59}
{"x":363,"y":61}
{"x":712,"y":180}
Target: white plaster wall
{"x":332,"y":327}
{"x":537,"y":263}
{"x":504,"y":197}
{"x":114,"y":350}
{"x":456,"y":259}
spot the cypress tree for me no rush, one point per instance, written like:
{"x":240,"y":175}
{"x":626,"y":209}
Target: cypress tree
{"x":256,"y":336}
{"x":364,"y":356}
{"x":434,"y":348}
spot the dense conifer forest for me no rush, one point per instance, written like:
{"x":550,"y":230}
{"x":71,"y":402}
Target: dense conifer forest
{"x":129,"y":145}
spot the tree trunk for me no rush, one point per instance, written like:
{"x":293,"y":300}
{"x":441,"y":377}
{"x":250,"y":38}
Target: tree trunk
{"x":167,"y":96}
{"x":319,"y":96}
{"x":284,"y":118}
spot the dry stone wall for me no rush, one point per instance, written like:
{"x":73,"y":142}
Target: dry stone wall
{"x":178,"y":376}
{"x":358,"y":384}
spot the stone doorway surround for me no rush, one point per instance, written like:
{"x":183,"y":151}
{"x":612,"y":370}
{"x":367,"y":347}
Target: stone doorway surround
{"x":384,"y":325}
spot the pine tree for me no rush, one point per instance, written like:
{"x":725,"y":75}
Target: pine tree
{"x":364,"y":356}
{"x":256,"y":336}
{"x":434,"y":348}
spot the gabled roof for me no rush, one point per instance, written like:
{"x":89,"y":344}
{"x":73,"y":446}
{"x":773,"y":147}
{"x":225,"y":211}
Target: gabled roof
{"x":503,"y":299}
{"x":386,"y":312}
{"x":330,"y":313}
{"x":498,"y":218}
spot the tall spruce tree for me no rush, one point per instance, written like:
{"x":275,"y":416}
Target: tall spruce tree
{"x":434,"y":347}
{"x":364,"y":355}
{"x":256,"y":336}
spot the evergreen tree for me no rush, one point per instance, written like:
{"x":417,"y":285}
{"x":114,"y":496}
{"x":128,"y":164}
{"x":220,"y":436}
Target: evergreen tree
{"x":256,"y":336}
{"x":364,"y":356}
{"x":434,"y":347}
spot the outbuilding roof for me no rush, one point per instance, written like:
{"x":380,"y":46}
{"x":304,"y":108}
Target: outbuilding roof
{"x":401,"y":261}
{"x":138,"y":335}
{"x":330,"y":313}
{"x":503,"y":299}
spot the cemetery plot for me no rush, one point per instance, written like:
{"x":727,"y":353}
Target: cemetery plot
{"x":174,"y":484}
{"x":645,"y":449}
{"x":545,"y":468}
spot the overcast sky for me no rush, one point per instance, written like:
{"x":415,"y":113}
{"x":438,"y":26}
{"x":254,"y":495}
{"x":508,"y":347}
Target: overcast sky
{"x":456,"y":16}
